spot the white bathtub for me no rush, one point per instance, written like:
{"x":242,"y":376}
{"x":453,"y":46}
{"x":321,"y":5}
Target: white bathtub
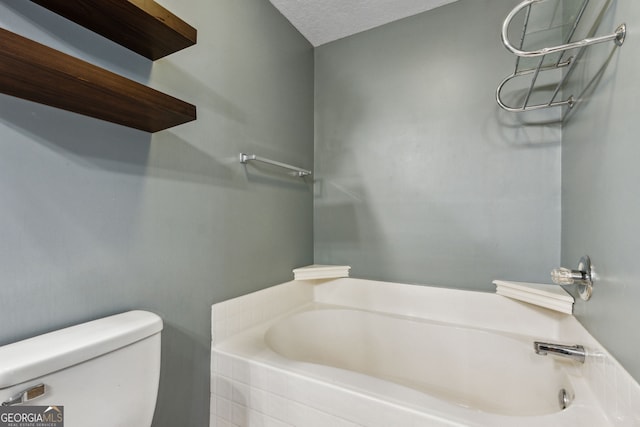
{"x":471,"y":368}
{"x":341,"y":354}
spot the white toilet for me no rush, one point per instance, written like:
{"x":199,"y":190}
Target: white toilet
{"x":103,"y":373}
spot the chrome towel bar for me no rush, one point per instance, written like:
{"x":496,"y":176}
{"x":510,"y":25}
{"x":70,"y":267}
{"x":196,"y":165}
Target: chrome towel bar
{"x":245,"y":158}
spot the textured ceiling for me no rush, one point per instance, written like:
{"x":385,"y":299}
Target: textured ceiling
{"x":322,"y":21}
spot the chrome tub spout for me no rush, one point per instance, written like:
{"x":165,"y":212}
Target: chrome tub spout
{"x":573,"y":352}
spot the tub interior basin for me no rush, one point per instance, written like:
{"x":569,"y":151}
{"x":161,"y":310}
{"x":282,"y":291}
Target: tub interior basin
{"x":478,"y":369}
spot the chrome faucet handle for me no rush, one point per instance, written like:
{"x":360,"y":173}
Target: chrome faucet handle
{"x":583,"y":277}
{"x":564,"y":276}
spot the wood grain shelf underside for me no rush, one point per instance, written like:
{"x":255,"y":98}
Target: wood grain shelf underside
{"x":142,"y":26}
{"x":38,"y":73}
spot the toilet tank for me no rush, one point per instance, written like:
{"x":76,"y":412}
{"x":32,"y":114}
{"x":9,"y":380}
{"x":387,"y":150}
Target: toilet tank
{"x":104,"y":373}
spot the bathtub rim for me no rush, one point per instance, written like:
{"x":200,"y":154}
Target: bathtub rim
{"x":250,"y":347}
{"x":616,"y":392}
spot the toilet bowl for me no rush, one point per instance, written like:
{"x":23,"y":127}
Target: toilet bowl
{"x":102,"y":373}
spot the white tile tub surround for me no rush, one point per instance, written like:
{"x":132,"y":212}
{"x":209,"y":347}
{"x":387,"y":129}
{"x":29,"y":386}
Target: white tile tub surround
{"x":255,"y":394}
{"x":237,"y":314}
{"x":247,"y":391}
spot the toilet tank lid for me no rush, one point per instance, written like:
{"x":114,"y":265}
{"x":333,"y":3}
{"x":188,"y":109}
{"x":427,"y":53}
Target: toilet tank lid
{"x":51,"y":352}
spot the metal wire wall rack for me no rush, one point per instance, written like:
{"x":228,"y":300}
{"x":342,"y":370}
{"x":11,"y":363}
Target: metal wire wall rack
{"x":618,"y":37}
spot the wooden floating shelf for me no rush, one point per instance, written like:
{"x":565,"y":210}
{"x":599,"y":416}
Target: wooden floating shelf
{"x":142,"y":26}
{"x":35,"y":72}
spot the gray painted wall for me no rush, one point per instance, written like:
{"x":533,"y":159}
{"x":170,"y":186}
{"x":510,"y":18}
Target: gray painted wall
{"x":600,"y":179}
{"x":420,"y":177}
{"x":97,"y":219}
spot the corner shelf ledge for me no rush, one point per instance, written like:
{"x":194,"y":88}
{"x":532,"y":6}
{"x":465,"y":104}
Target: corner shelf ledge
{"x":35,"y":72}
{"x":142,"y":26}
